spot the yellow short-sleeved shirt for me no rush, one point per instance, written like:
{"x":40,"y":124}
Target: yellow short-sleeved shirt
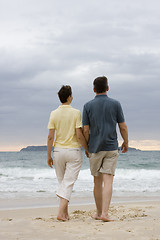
{"x":65,"y":120}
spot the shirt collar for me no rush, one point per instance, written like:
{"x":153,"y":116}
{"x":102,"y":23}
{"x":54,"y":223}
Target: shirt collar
{"x":103,"y":95}
{"x":65,"y":106}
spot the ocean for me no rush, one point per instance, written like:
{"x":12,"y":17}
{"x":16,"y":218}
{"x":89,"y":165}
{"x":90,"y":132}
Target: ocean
{"x":26,"y":174}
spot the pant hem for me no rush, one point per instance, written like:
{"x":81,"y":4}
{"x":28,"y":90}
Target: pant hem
{"x":60,"y":196}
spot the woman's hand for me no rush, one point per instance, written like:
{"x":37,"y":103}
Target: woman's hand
{"x":50,"y":162}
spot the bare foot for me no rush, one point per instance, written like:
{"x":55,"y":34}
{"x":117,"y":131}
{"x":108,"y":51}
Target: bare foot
{"x":96,"y":217}
{"x":63,"y":219}
{"x":106,"y":218}
{"x":67,"y":217}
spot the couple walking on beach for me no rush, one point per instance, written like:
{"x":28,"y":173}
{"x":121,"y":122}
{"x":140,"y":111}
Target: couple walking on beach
{"x":98,"y":137}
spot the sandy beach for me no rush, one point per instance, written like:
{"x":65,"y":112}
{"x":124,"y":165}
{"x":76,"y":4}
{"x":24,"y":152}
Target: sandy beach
{"x":133,"y":220}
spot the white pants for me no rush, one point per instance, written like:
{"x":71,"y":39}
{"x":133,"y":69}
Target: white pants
{"x":67,"y":164}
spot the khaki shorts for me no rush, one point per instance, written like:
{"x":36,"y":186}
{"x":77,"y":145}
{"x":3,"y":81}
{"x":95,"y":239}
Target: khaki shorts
{"x":103,"y":162}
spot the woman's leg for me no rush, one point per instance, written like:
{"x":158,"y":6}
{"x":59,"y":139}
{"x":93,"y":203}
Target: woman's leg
{"x":63,"y":210}
{"x":60,"y":168}
{"x":72,"y":168}
{"x":59,"y":164}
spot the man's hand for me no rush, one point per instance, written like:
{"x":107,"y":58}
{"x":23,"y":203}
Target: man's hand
{"x":50,"y":162}
{"x":124,"y":133}
{"x":124,"y":147}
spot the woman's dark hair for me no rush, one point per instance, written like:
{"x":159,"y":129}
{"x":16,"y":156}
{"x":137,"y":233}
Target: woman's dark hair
{"x":64,"y":93}
{"x":100,"y":84}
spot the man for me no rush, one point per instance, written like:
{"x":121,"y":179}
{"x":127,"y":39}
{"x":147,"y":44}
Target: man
{"x":100,"y":117}
{"x":67,"y":155}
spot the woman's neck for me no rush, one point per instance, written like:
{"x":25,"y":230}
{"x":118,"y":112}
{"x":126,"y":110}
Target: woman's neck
{"x":66,"y":103}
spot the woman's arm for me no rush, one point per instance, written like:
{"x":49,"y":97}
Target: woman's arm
{"x":49,"y":147}
{"x":82,"y":139}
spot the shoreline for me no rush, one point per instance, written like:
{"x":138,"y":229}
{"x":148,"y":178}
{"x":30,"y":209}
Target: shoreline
{"x":49,"y":202}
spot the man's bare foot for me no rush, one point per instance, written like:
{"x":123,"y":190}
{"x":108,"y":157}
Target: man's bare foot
{"x":106,"y":218}
{"x":96,"y":217}
{"x":63,"y":219}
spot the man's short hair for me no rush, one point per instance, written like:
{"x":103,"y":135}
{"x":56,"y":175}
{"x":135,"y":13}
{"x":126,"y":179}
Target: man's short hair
{"x":64,"y":93}
{"x":100,"y":84}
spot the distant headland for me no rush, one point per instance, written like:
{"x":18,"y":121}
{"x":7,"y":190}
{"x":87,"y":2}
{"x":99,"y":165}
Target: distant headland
{"x":44,"y":148}
{"x":34,"y":148}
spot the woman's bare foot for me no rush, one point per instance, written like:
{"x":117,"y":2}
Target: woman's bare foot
{"x":96,"y":216}
{"x":63,"y":219}
{"x":67,"y":217}
{"x":106,"y":218}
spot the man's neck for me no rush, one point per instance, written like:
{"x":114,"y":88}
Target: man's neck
{"x":104,"y":93}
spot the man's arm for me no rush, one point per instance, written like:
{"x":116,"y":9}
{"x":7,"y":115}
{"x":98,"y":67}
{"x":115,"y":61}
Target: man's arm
{"x":124,"y":133}
{"x":82,"y":139}
{"x":49,"y":147}
{"x":86,"y":132}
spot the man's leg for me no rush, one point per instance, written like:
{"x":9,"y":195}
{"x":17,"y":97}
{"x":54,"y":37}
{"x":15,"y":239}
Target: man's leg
{"x":106,"y":196}
{"x":98,"y":189}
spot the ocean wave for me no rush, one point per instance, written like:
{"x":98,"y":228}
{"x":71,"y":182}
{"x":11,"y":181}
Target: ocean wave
{"x":32,"y":173}
{"x":44,"y":173}
{"x":44,"y":180}
{"x":140,"y":174}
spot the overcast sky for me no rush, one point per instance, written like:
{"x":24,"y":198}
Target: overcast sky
{"x":45,"y":44}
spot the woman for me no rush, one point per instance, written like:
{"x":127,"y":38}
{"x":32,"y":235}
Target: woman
{"x":67,"y":155}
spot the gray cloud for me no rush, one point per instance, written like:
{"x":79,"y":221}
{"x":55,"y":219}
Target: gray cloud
{"x":47,"y":44}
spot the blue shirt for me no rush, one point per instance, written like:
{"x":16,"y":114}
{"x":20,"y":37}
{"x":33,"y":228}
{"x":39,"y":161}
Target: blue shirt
{"x":102,"y":115}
